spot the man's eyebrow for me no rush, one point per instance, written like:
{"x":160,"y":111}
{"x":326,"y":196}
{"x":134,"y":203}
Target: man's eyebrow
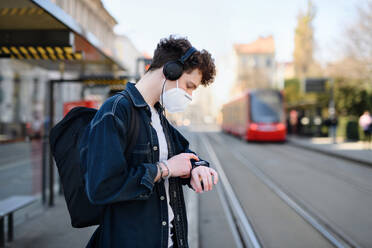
{"x":192,"y":84}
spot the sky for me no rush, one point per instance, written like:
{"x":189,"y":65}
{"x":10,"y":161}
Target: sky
{"x":215,"y":25}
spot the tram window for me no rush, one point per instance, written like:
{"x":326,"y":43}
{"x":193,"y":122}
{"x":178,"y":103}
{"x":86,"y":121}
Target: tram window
{"x":266,"y":107}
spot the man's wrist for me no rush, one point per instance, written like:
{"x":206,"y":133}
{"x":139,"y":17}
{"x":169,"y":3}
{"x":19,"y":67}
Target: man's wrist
{"x":168,"y":173}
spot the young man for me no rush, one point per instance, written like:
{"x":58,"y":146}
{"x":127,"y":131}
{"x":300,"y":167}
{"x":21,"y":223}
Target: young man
{"x":142,"y":192}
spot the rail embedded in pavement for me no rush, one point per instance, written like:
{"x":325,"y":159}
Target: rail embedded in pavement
{"x":335,"y":236}
{"x":242,"y":229}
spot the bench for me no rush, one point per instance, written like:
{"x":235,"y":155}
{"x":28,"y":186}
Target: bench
{"x":7,"y":208}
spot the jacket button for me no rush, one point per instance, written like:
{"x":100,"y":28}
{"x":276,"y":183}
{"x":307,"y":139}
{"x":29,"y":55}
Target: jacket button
{"x":155,"y":148}
{"x":162,"y":198}
{"x":164,"y":223}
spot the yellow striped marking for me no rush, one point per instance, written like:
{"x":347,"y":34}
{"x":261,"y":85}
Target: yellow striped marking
{"x":4,"y":11}
{"x":23,"y":50}
{"x":68,"y":49}
{"x":60,"y":56}
{"x":69,"y":57}
{"x":58,"y":49}
{"x":6,"y":50}
{"x":50,"y":50}
{"x":32,"y":11}
{"x":32,"y":50}
{"x":13,"y":11}
{"x":53,"y":56}
{"x":41,"y":50}
{"x":36,"y":56}
{"x":19,"y":56}
{"x":22,"y":11}
{"x":44,"y":56}
{"x":14,"y":50}
{"x":78,"y":56}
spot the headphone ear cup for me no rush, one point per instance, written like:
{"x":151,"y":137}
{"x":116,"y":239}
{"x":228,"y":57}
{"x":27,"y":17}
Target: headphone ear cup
{"x":173,"y":70}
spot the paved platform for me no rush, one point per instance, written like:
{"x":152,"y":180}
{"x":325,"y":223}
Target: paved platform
{"x":44,"y":227}
{"x":50,"y":229}
{"x":358,"y":152}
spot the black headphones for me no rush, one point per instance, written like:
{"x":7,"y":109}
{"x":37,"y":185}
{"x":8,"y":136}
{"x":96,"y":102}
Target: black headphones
{"x":173,"y":69}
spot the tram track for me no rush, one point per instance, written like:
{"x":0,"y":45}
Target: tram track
{"x":241,"y":227}
{"x":334,"y":173}
{"x":323,"y":226}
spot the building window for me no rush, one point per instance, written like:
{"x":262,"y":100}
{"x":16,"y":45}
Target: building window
{"x":255,"y":61}
{"x":243,"y":60}
{"x":268,"y":62}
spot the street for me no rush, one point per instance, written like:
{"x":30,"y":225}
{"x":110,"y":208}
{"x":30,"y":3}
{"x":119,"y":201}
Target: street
{"x":335,"y":193}
{"x":292,"y":197}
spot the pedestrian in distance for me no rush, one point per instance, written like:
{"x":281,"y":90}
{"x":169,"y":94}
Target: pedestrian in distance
{"x":142,"y":191}
{"x":365,"y":122}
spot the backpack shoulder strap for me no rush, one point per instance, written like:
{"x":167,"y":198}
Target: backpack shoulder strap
{"x":133,"y":126}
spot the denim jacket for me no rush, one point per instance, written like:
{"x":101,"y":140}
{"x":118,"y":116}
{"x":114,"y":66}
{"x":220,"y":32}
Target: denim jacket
{"x":135,"y":212}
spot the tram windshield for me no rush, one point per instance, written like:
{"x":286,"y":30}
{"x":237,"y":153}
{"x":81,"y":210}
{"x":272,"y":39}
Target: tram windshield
{"x":266,"y":107}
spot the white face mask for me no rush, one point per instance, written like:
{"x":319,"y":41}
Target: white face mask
{"x":176,"y":99}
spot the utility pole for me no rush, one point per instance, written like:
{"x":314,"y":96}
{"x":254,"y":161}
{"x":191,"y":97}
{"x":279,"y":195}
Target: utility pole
{"x":332,"y":112}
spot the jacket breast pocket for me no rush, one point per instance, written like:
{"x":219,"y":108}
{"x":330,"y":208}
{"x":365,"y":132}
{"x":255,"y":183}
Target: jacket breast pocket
{"x":141,"y":153}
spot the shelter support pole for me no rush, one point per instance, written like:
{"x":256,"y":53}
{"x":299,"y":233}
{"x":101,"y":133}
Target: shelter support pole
{"x":51,"y":163}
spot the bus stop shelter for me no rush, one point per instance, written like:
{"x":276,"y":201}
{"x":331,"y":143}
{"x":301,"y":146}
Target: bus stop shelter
{"x":42,"y":34}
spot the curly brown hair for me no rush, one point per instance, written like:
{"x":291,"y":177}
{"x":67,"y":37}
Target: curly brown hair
{"x":172,"y":48}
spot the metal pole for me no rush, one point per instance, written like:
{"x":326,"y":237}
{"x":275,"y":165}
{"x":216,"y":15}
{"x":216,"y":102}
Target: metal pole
{"x":10,"y":227}
{"x":332,"y":112}
{"x":45,"y":146}
{"x":51,"y":163}
{"x":44,"y":158}
{"x":2,"y":231}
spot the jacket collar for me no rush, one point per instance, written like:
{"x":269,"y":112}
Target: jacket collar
{"x":135,"y":95}
{"x":137,"y":98}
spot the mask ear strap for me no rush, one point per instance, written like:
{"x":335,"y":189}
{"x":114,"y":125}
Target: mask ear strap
{"x":161,"y":96}
{"x":177,"y":83}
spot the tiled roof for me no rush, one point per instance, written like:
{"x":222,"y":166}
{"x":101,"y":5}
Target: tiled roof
{"x":261,"y":45}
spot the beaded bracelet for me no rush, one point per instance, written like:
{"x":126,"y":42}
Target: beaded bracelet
{"x":159,"y":168}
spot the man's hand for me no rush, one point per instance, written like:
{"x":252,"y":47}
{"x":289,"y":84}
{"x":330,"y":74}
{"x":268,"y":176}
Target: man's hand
{"x":203,"y":174}
{"x":180,"y":164}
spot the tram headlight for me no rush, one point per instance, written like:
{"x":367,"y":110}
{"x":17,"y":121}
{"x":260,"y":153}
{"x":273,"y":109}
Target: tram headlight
{"x":253,"y":126}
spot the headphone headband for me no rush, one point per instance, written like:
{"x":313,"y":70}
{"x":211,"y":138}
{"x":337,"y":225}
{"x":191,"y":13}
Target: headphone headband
{"x":188,"y":53}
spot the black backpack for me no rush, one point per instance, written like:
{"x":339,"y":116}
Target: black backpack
{"x":64,"y":141}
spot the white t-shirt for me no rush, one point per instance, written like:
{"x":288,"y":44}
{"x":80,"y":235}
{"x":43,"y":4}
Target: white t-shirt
{"x":163,"y":155}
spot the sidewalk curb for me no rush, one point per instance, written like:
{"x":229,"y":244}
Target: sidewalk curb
{"x":291,"y":142}
{"x":192,"y":210}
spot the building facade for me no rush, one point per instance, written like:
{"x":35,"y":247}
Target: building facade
{"x":24,"y":83}
{"x":255,"y":65}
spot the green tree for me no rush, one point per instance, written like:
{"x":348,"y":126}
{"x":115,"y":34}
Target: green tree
{"x":351,"y":100}
{"x":304,"y":42}
{"x":292,"y":91}
{"x":359,"y":44}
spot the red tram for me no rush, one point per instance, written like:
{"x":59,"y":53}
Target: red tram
{"x":257,"y":115}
